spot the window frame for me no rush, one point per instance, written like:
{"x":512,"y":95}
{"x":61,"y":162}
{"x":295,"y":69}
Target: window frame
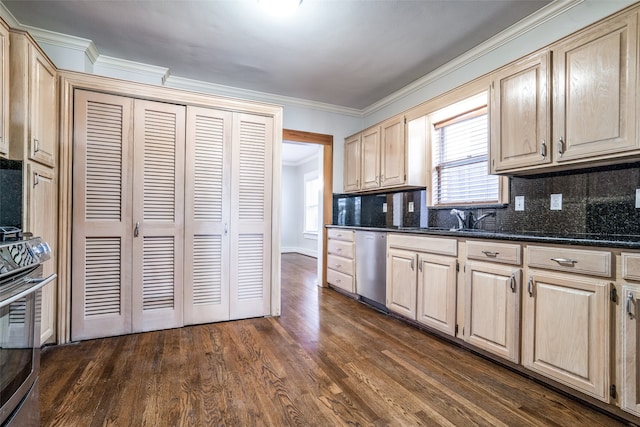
{"x":308,"y":178}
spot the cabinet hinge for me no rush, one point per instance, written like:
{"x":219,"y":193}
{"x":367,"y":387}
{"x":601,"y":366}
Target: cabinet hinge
{"x":613,"y":392}
{"x":613,"y":294}
{"x":456,"y":331}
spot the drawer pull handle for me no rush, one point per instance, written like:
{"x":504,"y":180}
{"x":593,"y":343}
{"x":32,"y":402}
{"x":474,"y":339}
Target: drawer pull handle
{"x":512,"y":282}
{"x":530,"y":286}
{"x":491,"y":254}
{"x":338,"y":265}
{"x":564,"y":261}
{"x":629,"y":303}
{"x":543,"y":149}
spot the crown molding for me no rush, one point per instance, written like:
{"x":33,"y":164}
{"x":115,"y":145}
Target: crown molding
{"x":64,"y":40}
{"x":8,"y":17}
{"x":525,"y":25}
{"x":161,"y":73}
{"x":202,"y":86}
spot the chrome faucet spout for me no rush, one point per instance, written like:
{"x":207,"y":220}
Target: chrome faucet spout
{"x":460,"y":216}
{"x":481,"y":217}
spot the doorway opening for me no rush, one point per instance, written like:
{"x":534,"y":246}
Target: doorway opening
{"x":307,"y":195}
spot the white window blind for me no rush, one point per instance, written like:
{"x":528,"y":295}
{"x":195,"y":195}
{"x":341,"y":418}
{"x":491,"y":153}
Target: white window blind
{"x":460,"y":160}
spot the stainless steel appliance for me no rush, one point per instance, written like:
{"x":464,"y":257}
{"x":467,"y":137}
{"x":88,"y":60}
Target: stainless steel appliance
{"x":371,"y":267}
{"x":20,"y":283}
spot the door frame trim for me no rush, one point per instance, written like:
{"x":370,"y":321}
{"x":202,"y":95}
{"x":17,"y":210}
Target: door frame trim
{"x":327,"y":178}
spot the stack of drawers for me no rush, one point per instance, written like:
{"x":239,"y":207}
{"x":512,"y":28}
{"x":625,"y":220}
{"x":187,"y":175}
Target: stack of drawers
{"x":341,"y":259}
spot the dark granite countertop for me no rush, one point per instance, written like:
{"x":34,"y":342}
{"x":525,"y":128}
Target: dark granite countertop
{"x":582,"y":239}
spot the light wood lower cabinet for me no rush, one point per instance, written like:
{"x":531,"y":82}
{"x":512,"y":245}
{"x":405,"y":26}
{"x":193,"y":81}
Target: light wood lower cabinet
{"x":566,"y":330}
{"x":630,"y":344}
{"x":402,"y":282}
{"x":422,"y":285}
{"x":437,"y":280}
{"x":492,"y":309}
{"x":341,"y":259}
{"x":42,"y":220}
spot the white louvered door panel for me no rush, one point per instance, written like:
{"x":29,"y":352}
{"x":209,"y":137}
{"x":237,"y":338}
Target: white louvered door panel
{"x":251,"y":216}
{"x":101,"y":255}
{"x":158,"y":215}
{"x":207,"y":195}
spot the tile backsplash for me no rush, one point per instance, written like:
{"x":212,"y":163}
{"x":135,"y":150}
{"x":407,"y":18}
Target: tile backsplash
{"x":598,"y":200}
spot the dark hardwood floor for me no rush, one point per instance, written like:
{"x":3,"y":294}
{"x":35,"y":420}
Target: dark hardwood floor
{"x":327,"y":360}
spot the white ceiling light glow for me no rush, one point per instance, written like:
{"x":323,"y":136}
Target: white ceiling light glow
{"x":280,"y":8}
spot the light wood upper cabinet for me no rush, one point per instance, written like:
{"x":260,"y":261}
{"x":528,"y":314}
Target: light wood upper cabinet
{"x":4,"y":91}
{"x":492,"y":309}
{"x":34,"y":102}
{"x":389,"y":155}
{"x":566,"y":330}
{"x":370,"y":152}
{"x":393,"y":158}
{"x":591,"y":118}
{"x":630,"y":344}
{"x":595,"y":91}
{"x":352,"y":163}
{"x":521,"y":114}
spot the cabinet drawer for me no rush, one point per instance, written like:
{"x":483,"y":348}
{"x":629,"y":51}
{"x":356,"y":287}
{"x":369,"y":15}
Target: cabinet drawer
{"x":338,"y":263}
{"x":581,"y":261}
{"x":341,"y":248}
{"x":340,"y":280}
{"x":630,"y":266}
{"x":494,"y":252}
{"x":341,"y":234}
{"x":432,"y":245}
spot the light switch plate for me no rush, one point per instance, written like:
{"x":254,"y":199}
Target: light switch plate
{"x":410,"y":206}
{"x":556,"y":202}
{"x":637,"y":198}
{"x":384,"y":207}
{"x":519,"y":203}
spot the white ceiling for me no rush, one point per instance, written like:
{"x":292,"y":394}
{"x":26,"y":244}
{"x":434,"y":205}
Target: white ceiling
{"x":294,"y":154}
{"x":347,"y":53}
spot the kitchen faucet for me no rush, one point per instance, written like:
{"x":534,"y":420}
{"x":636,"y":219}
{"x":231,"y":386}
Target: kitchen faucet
{"x":460,"y":216}
{"x":473,"y":223}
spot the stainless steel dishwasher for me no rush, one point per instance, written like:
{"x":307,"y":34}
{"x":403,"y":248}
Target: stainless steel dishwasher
{"x":371,"y":267}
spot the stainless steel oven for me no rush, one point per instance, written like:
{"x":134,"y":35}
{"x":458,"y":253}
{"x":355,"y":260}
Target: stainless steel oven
{"x":20,"y":283}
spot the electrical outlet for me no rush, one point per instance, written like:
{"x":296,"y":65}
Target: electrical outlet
{"x":384,"y":207}
{"x":556,"y":202}
{"x":410,"y":207}
{"x":637,"y":198}
{"x":519,"y":203}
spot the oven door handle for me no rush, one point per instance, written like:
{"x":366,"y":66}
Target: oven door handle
{"x":38,"y":283}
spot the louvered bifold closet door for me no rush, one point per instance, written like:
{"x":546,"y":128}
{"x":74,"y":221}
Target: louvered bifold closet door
{"x":251,"y":216}
{"x":101,"y":245}
{"x":207,"y":203}
{"x":158,"y":215}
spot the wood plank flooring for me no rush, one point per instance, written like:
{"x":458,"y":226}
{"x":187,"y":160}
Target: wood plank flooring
{"x":326,"y":361}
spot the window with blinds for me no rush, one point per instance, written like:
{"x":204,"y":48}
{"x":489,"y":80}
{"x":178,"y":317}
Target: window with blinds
{"x":460,"y":157}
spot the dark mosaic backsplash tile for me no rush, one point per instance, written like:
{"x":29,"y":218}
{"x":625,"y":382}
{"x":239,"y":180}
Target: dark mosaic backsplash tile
{"x":10,"y":193}
{"x":596,"y":201}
